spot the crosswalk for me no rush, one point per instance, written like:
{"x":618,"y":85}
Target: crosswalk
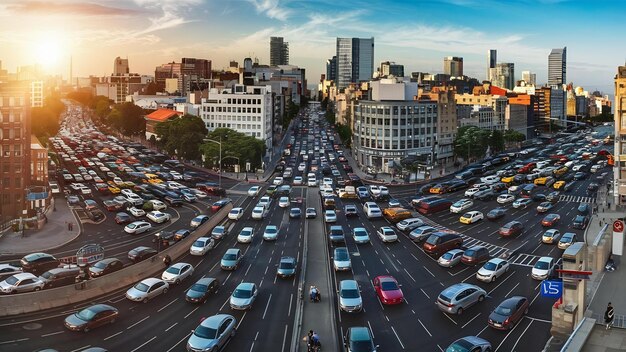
{"x":527,"y":260}
{"x":577,"y":199}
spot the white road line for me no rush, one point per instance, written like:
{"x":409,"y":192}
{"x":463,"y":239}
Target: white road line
{"x":267,"y":306}
{"x":481,"y":331}
{"x":188,"y":314}
{"x":371,"y":330}
{"x":249,"y":266}
{"x":539,"y":320}
{"x":20,"y":340}
{"x":173,"y":325}
{"x":284,"y":337}
{"x":425,"y":268}
{"x":537,"y":295}
{"x":507,"y":335}
{"x":422,"y":324}
{"x":240,"y":321}
{"x":128,"y":328}
{"x":440,"y":349}
{"x":178,"y":343}
{"x":80,"y":348}
{"x":501,"y":282}
{"x":452,"y":320}
{"x":514,"y":287}
{"x":112,"y":336}
{"x":464,"y":325}
{"x":411,"y":276}
{"x":290,"y":302}
{"x":398,"y":337}
{"x":520,"y":336}
{"x":53,"y":333}
{"x":167,"y":305}
{"x":425,"y":294}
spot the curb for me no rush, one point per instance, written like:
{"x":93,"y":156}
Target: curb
{"x":297,"y":327}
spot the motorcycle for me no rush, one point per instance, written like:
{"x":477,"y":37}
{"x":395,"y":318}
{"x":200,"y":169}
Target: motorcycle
{"x":314,"y":294}
{"x":610,"y":265}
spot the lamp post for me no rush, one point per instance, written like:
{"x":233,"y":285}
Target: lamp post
{"x":220,"y":159}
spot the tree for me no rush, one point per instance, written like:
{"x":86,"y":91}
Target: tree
{"x":471,"y":142}
{"x":45,"y":120}
{"x":496,"y":142}
{"x":182,"y":136}
{"x":345,"y":133}
{"x":237,"y":149}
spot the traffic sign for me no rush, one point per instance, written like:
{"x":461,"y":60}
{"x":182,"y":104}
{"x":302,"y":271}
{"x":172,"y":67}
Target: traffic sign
{"x":618,"y":237}
{"x":551,"y":288}
{"x":89,"y":254}
{"x":618,"y":226}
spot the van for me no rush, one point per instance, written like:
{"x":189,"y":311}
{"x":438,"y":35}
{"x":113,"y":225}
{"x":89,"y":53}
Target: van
{"x":434,"y":206}
{"x":395,"y":215}
{"x":440,"y":242}
{"x":59,"y":277}
{"x":37,"y":263}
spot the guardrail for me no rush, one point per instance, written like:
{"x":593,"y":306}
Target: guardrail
{"x":90,"y":289}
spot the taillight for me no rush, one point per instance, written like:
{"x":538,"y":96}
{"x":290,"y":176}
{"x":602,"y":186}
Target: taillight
{"x":506,"y":322}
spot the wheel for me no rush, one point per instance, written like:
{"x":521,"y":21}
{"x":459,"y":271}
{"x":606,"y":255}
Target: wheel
{"x":459,"y":311}
{"x":177,"y":281}
{"x":165,"y":290}
{"x":493,"y":279}
{"x":37,"y":288}
{"x":481,"y":298}
{"x":86,"y":329}
{"x":145,"y":300}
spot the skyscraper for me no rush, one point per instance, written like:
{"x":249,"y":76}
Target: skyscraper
{"x":453,"y":66}
{"x":391,"y":69}
{"x":557,"y":63}
{"x":491,"y":62}
{"x":529,"y":77}
{"x":279,"y":51}
{"x":619,"y":184}
{"x":355,"y":60}
{"x":331,"y":68}
{"x":503,"y":75}
{"x":120,"y":67}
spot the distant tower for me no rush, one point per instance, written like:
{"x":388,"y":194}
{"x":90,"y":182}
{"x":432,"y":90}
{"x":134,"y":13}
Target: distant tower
{"x":492,"y":56}
{"x":71,"y":73}
{"x":279,"y":51}
{"x":453,"y":66}
{"x":557,"y":64}
{"x":120,"y":67}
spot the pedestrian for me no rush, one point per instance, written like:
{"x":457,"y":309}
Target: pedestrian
{"x":68,"y":227}
{"x":608,"y":316}
{"x":71,"y":226}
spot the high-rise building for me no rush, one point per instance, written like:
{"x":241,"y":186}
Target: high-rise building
{"x":619,"y":174}
{"x":453,"y":66}
{"x":331,"y":68}
{"x":36,"y":94}
{"x":391,"y":69}
{"x":491,"y":62}
{"x":279,"y":51}
{"x":529,"y":77}
{"x":557,"y":64}
{"x":503,"y":75}
{"x":355,"y":60}
{"x":192,"y":74}
{"x":120,"y":67}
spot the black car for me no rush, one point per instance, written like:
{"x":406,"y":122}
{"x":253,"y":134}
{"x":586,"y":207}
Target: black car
{"x":495,"y":214}
{"x":202,"y":289}
{"x":538,"y":197}
{"x":141,"y":253}
{"x":519,"y":178}
{"x":553,"y":197}
{"x":105,"y":266}
{"x":580,"y":222}
{"x":454,"y":186}
{"x":484,"y":195}
{"x":122,"y":218}
{"x":592,"y":187}
{"x":181,"y":234}
{"x":498,"y":187}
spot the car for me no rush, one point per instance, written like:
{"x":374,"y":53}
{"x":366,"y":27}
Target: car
{"x":73,"y":200}
{"x":265,"y":201}
{"x":284,"y":202}
{"x":558,"y":184}
{"x":201,"y":246}
{"x":409,"y":224}
{"x":592,"y":187}
{"x":553,"y":197}
{"x":177,"y":273}
{"x":336,"y":234}
{"x":550,"y":236}
{"x":198,"y":220}
{"x":388,"y":290}
{"x":7,"y":270}
{"x":137,"y":227}
{"x":244,"y":296}
{"x":492,"y":269}
{"x":270,"y":233}
{"x":156,"y":205}
{"x":259,"y":212}
{"x":583,"y":208}
{"x":122,"y":218}
{"x":136,"y":212}
{"x":387,"y":234}
{"x":220,"y":204}
{"x":360,"y":235}
{"x":450,"y":258}
{"x":141,"y":253}
{"x":421,"y":233}
{"x":330,"y":216}
{"x":550,"y":220}
{"x":359,"y":339}
{"x":349,"y":294}
{"x":295,"y":213}
{"x":310,"y":213}
{"x":469,"y":344}
{"x":567,"y":240}
{"x":147,"y":289}
{"x":200,"y":291}
{"x":580,"y":222}
{"x":459,"y":297}
{"x":505,"y":199}
{"x":245,"y":235}
{"x":286,"y":267}
{"x":372,"y":210}
{"x":544,"y":207}
{"x":231,"y":259}
{"x":522,"y":203}
{"x":508,"y":313}
{"x":218,"y":232}
{"x":21,"y":282}
{"x":235,"y":213}
{"x":471,"y":217}
{"x":105,"y":266}
{"x":350,"y":210}
{"x":254,"y":191}
{"x":111,"y":205}
{"x":213,"y":333}
{"x":542,"y":268}
{"x":511,"y":228}
{"x":341,"y":259}
{"x":90,"y":204}
{"x":496,"y":213}
{"x":158,"y":216}
{"x":470,"y":192}
{"x":475,"y":255}
{"x":91,"y":317}
{"x":278,"y":180}
{"x":461,"y":205}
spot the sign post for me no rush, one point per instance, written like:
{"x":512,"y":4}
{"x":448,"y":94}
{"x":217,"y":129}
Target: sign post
{"x":551,"y":288}
{"x":618,"y":237}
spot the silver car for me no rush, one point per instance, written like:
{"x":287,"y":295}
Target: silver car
{"x":177,"y":273}
{"x":270,"y":233}
{"x":349,"y":293}
{"x":421,"y":233}
{"x":244,"y":296}
{"x":341,"y":259}
{"x":458,"y":297}
{"x":470,"y":343}
{"x":147,"y":289}
{"x":450,"y":258}
{"x":213,"y":333}
{"x":23,"y":282}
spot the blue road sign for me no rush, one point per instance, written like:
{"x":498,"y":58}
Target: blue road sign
{"x":551,"y":288}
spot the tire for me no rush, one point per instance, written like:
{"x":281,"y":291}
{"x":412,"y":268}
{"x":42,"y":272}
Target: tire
{"x":493,"y":279}
{"x":145,"y":300}
{"x":459,"y":311}
{"x":37,"y":289}
{"x":481,"y":298}
{"x":177,"y":282}
{"x":165,"y":290}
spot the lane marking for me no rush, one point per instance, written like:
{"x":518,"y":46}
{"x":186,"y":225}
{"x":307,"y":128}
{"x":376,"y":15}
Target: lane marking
{"x":178,"y":343}
{"x":395,"y":333}
{"x":13,"y":341}
{"x":267,"y":306}
{"x":112,"y":336}
{"x":128,"y":328}
{"x":53,"y":333}
{"x":422,"y":324}
{"x":173,"y":325}
{"x":464,"y":325}
{"x":167,"y":305}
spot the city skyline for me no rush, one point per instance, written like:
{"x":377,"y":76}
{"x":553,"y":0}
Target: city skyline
{"x":151,"y":32}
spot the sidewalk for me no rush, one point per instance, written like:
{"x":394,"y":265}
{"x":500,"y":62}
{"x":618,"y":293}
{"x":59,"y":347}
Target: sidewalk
{"x":54,"y":233}
{"x":320,"y":316}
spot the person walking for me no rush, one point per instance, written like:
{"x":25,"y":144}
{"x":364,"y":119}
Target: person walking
{"x":609,"y":315}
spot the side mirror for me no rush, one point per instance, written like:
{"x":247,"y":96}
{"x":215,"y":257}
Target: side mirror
{"x":399,"y":285}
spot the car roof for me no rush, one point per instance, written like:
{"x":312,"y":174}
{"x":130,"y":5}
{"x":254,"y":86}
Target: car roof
{"x":386,"y":278}
{"x":233,"y":250}
{"x":348,"y":284}
{"x":456,"y":288}
{"x":287,"y":259}
{"x":151,"y":281}
{"x":22,"y":276}
{"x":215,"y":321}
{"x":360,"y":333}
{"x":246,"y":286}
{"x":496,"y":260}
{"x":100,"y":308}
{"x":511,"y":301}
{"x":205,"y":281}
{"x":545,"y":259}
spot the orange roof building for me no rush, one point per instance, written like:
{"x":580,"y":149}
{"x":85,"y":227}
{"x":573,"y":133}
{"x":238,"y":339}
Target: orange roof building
{"x":158,"y":116}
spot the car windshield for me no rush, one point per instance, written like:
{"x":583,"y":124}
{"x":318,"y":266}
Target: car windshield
{"x":142,"y":287}
{"x":234,"y":211}
{"x":490,"y":266}
{"x":503,"y":310}
{"x":542,"y":265}
{"x":228,"y":256}
{"x":447,"y":256}
{"x":131,"y":226}
{"x":198,"y":244}
{"x":341,"y":255}
{"x":100,"y":265}
{"x":241,"y":293}
{"x":198,"y":288}
{"x":433,"y":240}
{"x":285,"y":265}
{"x":364,"y":346}
{"x":218,"y":230}
{"x":173,"y":270}
{"x":270,"y":230}
{"x":11,"y":281}
{"x":351,"y":293}
{"x":388,"y":286}
{"x":360,"y":233}
{"x":467,"y":215}
{"x":205,"y":332}
{"x":244,"y":233}
{"x":469,"y":252}
{"x":46,"y":275}
{"x":86,"y":314}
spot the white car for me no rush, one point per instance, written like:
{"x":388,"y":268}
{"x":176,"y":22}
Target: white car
{"x":127,"y":191}
{"x":311,"y":180}
{"x":157,"y":204}
{"x":492,"y":270}
{"x":283,"y":202}
{"x":522,"y":203}
{"x":21,"y":282}
{"x":505,"y":198}
{"x":372,"y":210}
{"x":490,"y":179}
{"x":158,"y":216}
{"x":302,"y":167}
{"x":470,"y":192}
{"x":259,"y":212}
{"x":174,"y":185}
{"x":201,"y":246}
{"x":270,"y":233}
{"x":543,"y":268}
{"x":136,"y":212}
{"x":199,"y":193}
{"x":360,"y":235}
{"x":265,"y":201}
{"x":461,"y":205}
{"x":278,"y":180}
{"x":327,"y":181}
{"x":235,"y":213}
{"x":374,"y":190}
{"x":387,"y":234}
{"x":177,"y":273}
{"x":147,"y":289}
{"x":297,"y":181}
{"x":176,"y":175}
{"x":137,"y":227}
{"x":254,"y":191}
{"x":330,"y":216}
{"x":245,"y":235}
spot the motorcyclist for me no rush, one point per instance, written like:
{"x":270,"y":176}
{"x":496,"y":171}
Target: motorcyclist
{"x":315,"y":294}
{"x":313,"y":341}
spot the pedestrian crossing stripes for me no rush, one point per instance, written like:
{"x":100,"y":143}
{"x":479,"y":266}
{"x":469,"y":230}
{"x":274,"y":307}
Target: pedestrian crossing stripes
{"x":528,"y":260}
{"x":494,"y":251}
{"x":577,"y":199}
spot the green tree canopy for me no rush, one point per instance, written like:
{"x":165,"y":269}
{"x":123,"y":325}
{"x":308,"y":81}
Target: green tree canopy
{"x":182,"y":136}
{"x":471,"y":142}
{"x":235,"y":145}
{"x":496,"y":142}
{"x":45,"y":120}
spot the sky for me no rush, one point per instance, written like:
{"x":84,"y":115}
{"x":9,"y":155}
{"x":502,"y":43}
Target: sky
{"x":415,"y":33}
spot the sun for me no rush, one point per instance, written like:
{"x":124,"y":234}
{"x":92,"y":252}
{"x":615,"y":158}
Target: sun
{"x":48,"y":52}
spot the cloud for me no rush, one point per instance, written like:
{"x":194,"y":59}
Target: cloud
{"x":172,"y":13}
{"x":83,"y":9}
{"x":271,"y":8}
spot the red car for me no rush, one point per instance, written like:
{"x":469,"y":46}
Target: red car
{"x":512,"y":228}
{"x":388,"y":290}
{"x":509,"y":313}
{"x":220,"y":204}
{"x":550,"y":220}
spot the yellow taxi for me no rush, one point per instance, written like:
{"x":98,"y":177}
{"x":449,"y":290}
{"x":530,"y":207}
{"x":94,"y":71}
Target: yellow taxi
{"x":508,"y":179}
{"x":471,"y":217}
{"x":436,"y":189}
{"x":113,"y":188}
{"x":540,"y":181}
{"x":558,"y":184}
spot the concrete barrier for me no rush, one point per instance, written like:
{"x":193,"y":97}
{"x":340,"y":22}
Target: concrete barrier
{"x":94,"y":288}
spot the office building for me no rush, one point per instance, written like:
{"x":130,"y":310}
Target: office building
{"x":279,"y":51}
{"x":331,"y":68}
{"x":355,"y":60}
{"x":529,"y":78}
{"x":492,"y":56}
{"x":557,"y":64}
{"x":120,"y":67}
{"x":191,"y":74}
{"x":391,"y":69}
{"x":36,"y":94}
{"x":453,"y":66}
{"x":446,"y":120}
{"x":503,"y":75}
{"x":619,"y":173}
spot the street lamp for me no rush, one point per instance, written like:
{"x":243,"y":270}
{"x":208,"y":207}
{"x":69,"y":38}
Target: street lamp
{"x":220,"y":159}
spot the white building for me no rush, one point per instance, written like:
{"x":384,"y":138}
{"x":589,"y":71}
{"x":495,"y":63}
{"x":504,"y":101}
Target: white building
{"x":36,"y":94}
{"x":246,"y":109}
